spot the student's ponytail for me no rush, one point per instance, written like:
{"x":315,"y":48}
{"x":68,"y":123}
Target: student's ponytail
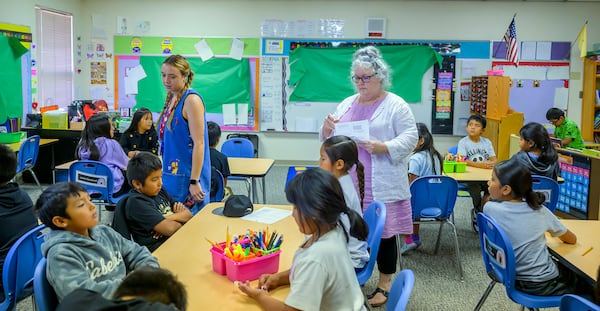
{"x":534,"y":199}
{"x":358,"y":226}
{"x":360,"y":175}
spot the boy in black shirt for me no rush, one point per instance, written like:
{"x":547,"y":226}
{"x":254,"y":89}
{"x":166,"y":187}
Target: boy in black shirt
{"x":217,"y":159}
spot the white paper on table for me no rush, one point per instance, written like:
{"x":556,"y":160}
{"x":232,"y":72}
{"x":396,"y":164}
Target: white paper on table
{"x":204,"y":50}
{"x":229,"y":114}
{"x":242,"y":116}
{"x":237,"y":49}
{"x":357,"y":130}
{"x":267,"y":215}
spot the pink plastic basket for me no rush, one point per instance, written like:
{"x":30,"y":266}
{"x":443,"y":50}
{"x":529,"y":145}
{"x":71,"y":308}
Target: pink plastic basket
{"x":251,"y":269}
{"x":218,"y":260}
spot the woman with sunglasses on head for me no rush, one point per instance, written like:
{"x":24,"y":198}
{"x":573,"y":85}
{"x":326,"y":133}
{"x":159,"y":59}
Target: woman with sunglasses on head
{"x":392,"y":137}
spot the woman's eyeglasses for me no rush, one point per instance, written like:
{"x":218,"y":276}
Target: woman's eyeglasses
{"x":364,"y":79}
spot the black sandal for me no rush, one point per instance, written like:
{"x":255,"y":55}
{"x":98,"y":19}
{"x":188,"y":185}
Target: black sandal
{"x":378,"y":290}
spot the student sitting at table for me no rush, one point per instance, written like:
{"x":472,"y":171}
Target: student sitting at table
{"x":537,"y":152}
{"x":518,"y":210}
{"x":322,"y":276}
{"x":480,"y":153}
{"x":152,"y":215}
{"x":81,"y":253}
{"x":338,"y":155}
{"x":425,"y":161}
{"x":16,"y":208}
{"x":97,"y":144}
{"x":565,"y":129}
{"x":218,"y":160}
{"x":141,"y":134}
{"x":143,"y":289}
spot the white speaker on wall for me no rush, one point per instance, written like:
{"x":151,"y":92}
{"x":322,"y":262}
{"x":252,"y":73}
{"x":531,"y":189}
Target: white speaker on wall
{"x":376,"y":28}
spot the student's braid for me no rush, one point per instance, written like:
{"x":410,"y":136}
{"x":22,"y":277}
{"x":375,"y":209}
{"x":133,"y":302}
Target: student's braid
{"x":360,"y":175}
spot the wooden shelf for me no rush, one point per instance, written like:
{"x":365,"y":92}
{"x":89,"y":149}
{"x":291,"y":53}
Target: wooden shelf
{"x":589,"y":108}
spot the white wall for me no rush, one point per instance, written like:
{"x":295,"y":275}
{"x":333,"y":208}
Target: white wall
{"x":429,"y":20}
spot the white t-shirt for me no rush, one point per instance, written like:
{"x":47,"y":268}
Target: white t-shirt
{"x":322,"y":276}
{"x":358,"y":249}
{"x":525,"y":229}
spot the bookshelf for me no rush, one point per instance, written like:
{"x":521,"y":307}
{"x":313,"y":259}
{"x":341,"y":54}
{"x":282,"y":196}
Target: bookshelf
{"x":590,"y":112}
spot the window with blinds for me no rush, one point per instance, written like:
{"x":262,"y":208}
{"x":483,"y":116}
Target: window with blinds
{"x":54,"y":57}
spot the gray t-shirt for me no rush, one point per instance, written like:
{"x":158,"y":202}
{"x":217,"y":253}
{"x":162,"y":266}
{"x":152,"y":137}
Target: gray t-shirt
{"x":476,"y":151}
{"x":420,"y":164}
{"x":322,"y":276}
{"x":525,"y":229}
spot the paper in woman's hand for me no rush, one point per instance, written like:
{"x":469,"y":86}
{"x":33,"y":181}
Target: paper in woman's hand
{"x":357,"y":130}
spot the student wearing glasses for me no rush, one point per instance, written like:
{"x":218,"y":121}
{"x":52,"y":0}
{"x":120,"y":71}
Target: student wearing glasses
{"x":392,"y":137}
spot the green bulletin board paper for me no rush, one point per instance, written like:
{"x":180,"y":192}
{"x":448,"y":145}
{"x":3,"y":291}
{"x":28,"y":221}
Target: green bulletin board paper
{"x":219,"y":81}
{"x":323,"y":74}
{"x":185,"y":46}
{"x":11,"y":88}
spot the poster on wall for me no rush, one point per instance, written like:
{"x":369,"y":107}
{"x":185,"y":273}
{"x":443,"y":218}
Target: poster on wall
{"x":98,"y":72}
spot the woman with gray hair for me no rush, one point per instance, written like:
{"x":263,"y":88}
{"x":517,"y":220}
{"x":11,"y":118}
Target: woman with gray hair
{"x":392,"y":137}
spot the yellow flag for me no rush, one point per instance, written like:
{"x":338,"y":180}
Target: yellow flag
{"x":582,"y":41}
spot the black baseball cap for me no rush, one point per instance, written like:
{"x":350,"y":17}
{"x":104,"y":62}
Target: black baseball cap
{"x":237,"y":205}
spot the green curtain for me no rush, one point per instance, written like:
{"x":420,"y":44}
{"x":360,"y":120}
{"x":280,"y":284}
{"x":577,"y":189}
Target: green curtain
{"x":219,"y":81}
{"x":11,"y":80}
{"x":323,"y":74}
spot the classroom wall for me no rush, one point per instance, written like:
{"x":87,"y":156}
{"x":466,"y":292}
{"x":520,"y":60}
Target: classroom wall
{"x":427,"y":20}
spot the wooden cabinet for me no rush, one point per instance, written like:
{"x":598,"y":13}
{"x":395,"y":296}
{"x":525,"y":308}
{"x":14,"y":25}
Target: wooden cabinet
{"x":498,"y":131}
{"x":590,"y":109}
{"x":489,"y":96}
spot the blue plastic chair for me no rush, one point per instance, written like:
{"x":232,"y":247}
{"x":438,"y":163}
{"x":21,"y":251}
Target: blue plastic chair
{"x":238,"y":147}
{"x":97,"y":178}
{"x":45,"y":296}
{"x":550,"y":189}
{"x":19,"y":266}
{"x":27,"y":157}
{"x":218,"y":197}
{"x":295,"y":170}
{"x":577,"y":303}
{"x":499,"y":262}
{"x":401,"y":290}
{"x":374,"y":216}
{"x":433,"y":199}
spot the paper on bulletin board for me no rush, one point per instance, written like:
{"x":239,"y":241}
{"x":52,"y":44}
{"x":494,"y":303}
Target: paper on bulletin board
{"x":561,"y":98}
{"x":242,"y":116}
{"x":204,"y":50}
{"x":543,"y":50}
{"x":271,"y":94}
{"x":558,"y":73}
{"x":132,"y":76}
{"x":528,"y":50}
{"x":237,"y":49}
{"x":229,"y":114}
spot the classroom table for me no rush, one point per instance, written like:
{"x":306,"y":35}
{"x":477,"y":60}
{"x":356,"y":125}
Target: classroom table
{"x":578,"y":257}
{"x":252,"y":168}
{"x":187,"y":255}
{"x":472,"y":174}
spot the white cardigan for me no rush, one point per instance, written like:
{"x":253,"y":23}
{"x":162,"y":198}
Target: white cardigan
{"x":392,"y":123}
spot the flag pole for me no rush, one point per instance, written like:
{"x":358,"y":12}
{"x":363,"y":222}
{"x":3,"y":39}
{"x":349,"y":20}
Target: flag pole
{"x":568,"y":55}
{"x":498,"y":47}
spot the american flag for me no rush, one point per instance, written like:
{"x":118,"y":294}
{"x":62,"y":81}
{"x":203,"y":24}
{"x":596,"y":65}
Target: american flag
{"x":510,"y":37}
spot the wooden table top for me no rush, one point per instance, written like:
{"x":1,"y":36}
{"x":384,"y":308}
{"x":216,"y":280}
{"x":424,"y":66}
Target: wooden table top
{"x":254,"y":167}
{"x":187,"y":255}
{"x":577,"y":255}
{"x":472,"y":174}
{"x":43,"y":141}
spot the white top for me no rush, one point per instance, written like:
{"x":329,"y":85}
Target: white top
{"x":359,"y":253}
{"x":525,"y":229}
{"x":392,"y":123}
{"x":476,"y":151}
{"x":322,"y":276}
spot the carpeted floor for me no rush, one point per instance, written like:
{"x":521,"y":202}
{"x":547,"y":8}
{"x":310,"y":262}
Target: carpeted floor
{"x":437,"y":286}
